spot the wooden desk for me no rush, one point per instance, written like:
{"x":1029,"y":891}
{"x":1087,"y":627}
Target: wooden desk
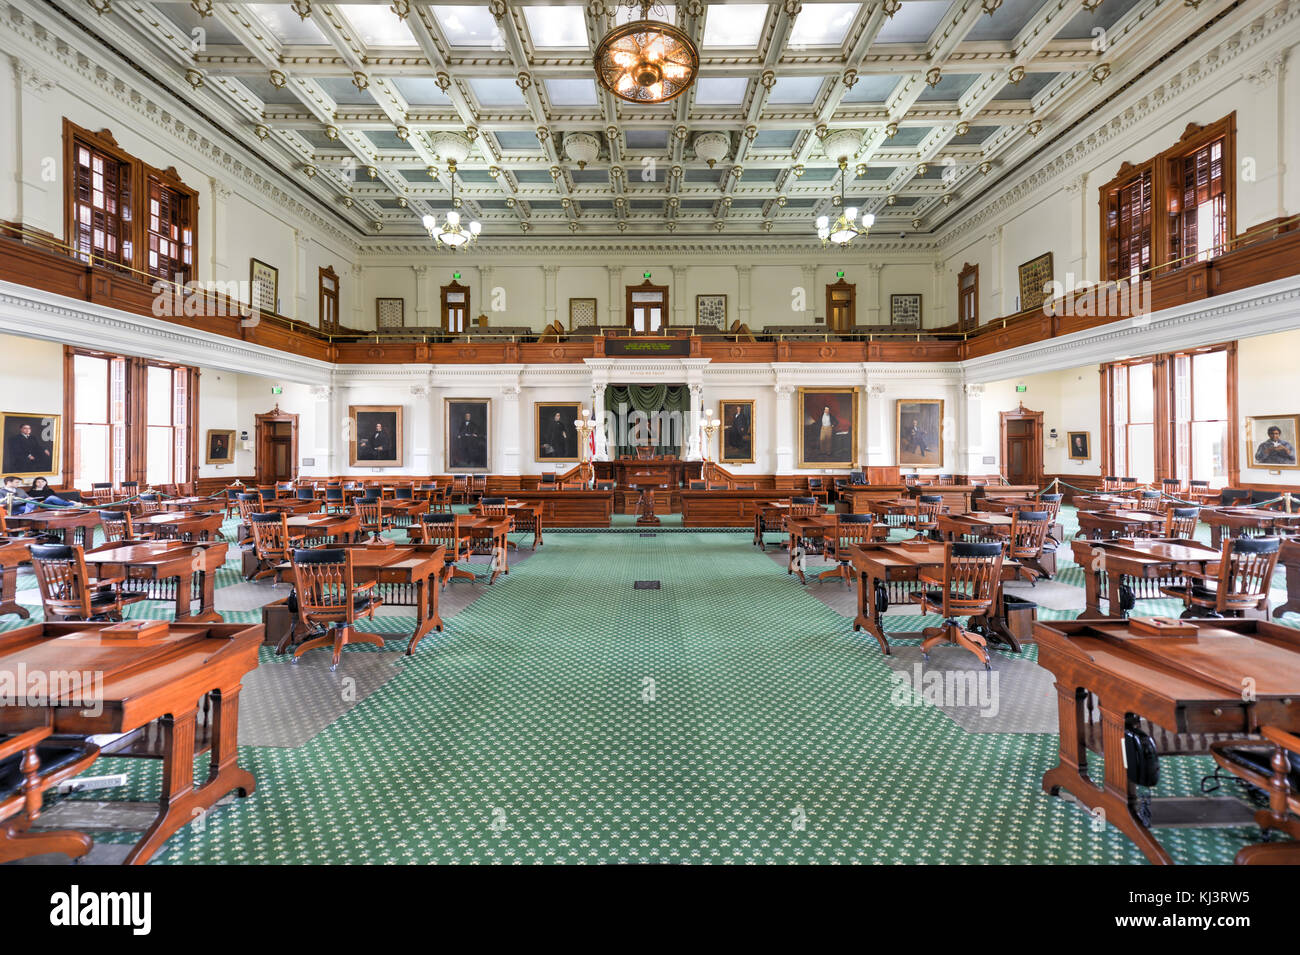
{"x":575,"y":508}
{"x":344,"y":528}
{"x":180,"y":524}
{"x":895,"y":570}
{"x":74,"y":525}
{"x":729,"y":508}
{"x":814,"y":526}
{"x":1235,"y":521}
{"x":985,"y":525}
{"x":1289,"y":559}
{"x":899,"y":512}
{"x":199,"y":505}
{"x":645,"y":505}
{"x":1102,"y":502}
{"x":1110,"y":565}
{"x":1181,"y":684}
{"x":13,"y":551}
{"x":664,"y":472}
{"x":521,"y":511}
{"x":187,"y":681}
{"x":404,"y":576}
{"x":857,"y":498}
{"x":1096,"y":525}
{"x":167,"y":566}
{"x":961,"y":497}
{"x":481,"y":529}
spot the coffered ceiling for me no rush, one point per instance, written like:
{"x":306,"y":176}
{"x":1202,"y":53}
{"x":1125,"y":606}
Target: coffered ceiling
{"x":354,"y":101}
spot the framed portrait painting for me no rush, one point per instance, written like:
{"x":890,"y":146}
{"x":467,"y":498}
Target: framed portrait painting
{"x":467,"y":426}
{"x":264,"y":283}
{"x":1272,"y":440}
{"x":219,"y":447}
{"x":711,"y":311}
{"x":376,"y":436}
{"x":31,"y":444}
{"x":1035,"y":276}
{"x":1079,"y":444}
{"x":556,"y":437}
{"x":828,"y":424}
{"x":737,"y":440}
{"x":918,"y":433}
{"x":905,"y":310}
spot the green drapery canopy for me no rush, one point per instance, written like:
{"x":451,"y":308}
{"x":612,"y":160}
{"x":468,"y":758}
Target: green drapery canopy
{"x":667,"y":406}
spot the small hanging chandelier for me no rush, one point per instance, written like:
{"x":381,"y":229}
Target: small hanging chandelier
{"x":846,"y":226}
{"x":451,"y":234}
{"x":646,"y":61}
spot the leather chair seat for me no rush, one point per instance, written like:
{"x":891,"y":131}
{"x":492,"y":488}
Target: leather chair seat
{"x":362,"y":601}
{"x":1199,"y":591}
{"x":53,"y":755}
{"x":1259,"y":759}
{"x":106,"y":598}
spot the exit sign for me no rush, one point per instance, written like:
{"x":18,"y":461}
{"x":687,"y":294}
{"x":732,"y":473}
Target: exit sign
{"x":456,"y":276}
{"x":1022,"y":388}
{"x":839,"y":275}
{"x":645,"y":275}
{"x":277,"y":390}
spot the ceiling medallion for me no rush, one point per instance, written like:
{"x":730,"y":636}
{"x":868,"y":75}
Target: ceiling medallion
{"x":646,"y":61}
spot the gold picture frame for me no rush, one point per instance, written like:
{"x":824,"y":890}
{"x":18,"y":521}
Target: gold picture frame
{"x":219,"y":446}
{"x":819,"y":448}
{"x":1034,"y":276}
{"x":543,"y":427}
{"x":464,"y":450}
{"x":743,"y":441}
{"x":1266,"y":455}
{"x":582,"y":310}
{"x":20,"y":453}
{"x":918,"y":432}
{"x":1077,"y":452}
{"x":366,"y":447}
{"x":711,"y":311}
{"x":262,"y":276}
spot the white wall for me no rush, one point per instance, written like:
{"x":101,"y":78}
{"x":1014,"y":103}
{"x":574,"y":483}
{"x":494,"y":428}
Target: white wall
{"x":31,"y":381}
{"x":1070,"y":401}
{"x":1266,"y":385}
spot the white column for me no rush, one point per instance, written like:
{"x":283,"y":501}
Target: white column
{"x":486,"y":297}
{"x":1076,"y":256}
{"x":39,"y":182}
{"x":354,"y":291}
{"x":422,"y":318}
{"x":681,"y":315}
{"x":421,"y":456}
{"x":219,"y":264}
{"x":744,"y":292}
{"x":939,"y":297}
{"x":971,"y":452}
{"x":616,"y":303}
{"x":874,"y":412}
{"x":784,"y":428}
{"x":325,"y":436}
{"x":599,"y":379}
{"x":872,"y":296}
{"x":510,"y":428}
{"x":300,"y":304}
{"x":549,"y":274}
{"x":1001,"y":306}
{"x":809,"y":279}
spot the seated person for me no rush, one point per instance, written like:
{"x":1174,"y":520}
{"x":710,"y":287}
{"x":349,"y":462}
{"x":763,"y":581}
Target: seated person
{"x":19,"y":501}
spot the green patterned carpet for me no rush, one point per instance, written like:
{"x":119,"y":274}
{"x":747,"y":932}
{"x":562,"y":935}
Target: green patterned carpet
{"x":729,"y":717}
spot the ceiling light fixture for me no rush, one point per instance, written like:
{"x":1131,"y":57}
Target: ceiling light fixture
{"x":847,"y":226}
{"x":452,"y":234}
{"x":645,"y":60}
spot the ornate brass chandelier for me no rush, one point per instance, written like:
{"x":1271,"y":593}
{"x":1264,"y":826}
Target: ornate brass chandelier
{"x":846,"y":226}
{"x":646,"y":61}
{"x":451,"y":234}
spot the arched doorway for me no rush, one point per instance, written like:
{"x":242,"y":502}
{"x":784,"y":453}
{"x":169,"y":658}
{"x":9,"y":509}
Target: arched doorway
{"x":276,"y":444}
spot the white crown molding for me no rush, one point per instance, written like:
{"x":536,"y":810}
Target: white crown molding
{"x":566,"y":247}
{"x":1259,"y":310}
{"x":31,"y":313}
{"x":45,"y":52}
{"x":1179,"y":81}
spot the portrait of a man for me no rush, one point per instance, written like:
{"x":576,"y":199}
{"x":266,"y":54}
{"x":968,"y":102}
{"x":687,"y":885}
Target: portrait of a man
{"x":1080,"y":443}
{"x":737,"y":432}
{"x":221,"y":447}
{"x":920,"y":432}
{"x":1278,"y":444}
{"x":376,"y":436}
{"x":31,"y":444}
{"x":557,"y":438}
{"x":829,"y":421}
{"x":467,"y":434}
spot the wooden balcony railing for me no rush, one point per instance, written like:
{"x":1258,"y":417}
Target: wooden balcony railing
{"x":39,"y":261}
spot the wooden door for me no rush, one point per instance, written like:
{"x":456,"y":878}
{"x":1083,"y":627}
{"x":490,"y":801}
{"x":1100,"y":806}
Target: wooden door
{"x":840,"y":306}
{"x":1022,"y":446}
{"x":276,"y":444}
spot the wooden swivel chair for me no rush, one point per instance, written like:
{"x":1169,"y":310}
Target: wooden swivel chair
{"x":850,"y":529}
{"x":459,"y":488}
{"x":271,"y":542}
{"x":945,"y":480}
{"x":118,"y":527}
{"x":69,"y":592}
{"x":1026,"y":541}
{"x":1273,"y":766}
{"x":101,"y":493}
{"x":151,"y":503}
{"x":248,"y":505}
{"x":969,"y":586}
{"x":1180,"y":522}
{"x":697,"y":486}
{"x":129,"y":488}
{"x":548,"y":481}
{"x":1241,"y":584}
{"x":817,"y":489}
{"x":330,"y":602}
{"x":477,"y":486}
{"x":925,"y":519}
{"x":1172,"y":487}
{"x":1110,"y":483}
{"x":335,"y":502}
{"x":373,"y":519}
{"x":1128,"y":484}
{"x":304,"y":494}
{"x":31,"y":763}
{"x":1051,"y":503}
{"x":1200,"y":491}
{"x":1149,"y":501}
